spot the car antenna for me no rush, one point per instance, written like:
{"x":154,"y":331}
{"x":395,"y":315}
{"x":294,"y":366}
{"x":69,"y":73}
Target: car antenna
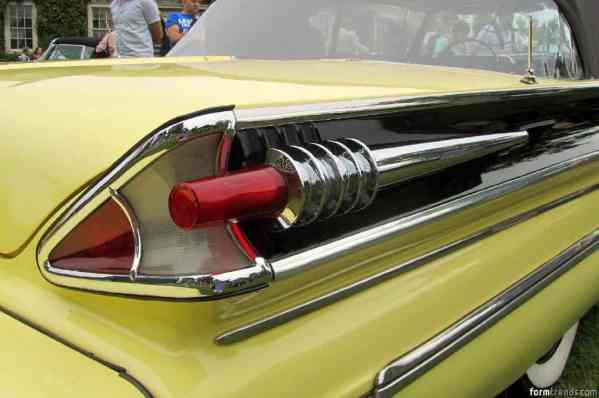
{"x":529,"y":77}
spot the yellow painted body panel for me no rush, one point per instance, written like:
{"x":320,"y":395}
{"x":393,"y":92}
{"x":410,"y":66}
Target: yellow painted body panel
{"x":36,"y":366}
{"x":107,"y":106}
{"x":336,"y":351}
{"x":87,"y":114}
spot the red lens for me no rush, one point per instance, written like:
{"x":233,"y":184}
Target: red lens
{"x":259,"y":192}
{"x":103,"y":243}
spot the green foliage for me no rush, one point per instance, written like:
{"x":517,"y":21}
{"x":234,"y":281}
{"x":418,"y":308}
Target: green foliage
{"x":8,"y":57}
{"x":56,"y":18}
{"x":582,"y":370}
{"x":60,"y":18}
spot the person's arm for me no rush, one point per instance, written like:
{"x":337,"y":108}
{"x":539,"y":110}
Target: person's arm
{"x":152,"y":17}
{"x":172,"y":28}
{"x":173,"y":34}
{"x":156,"y":31}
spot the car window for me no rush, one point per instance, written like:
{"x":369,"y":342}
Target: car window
{"x":485,"y":34}
{"x":88,"y":52}
{"x":66,"y":51}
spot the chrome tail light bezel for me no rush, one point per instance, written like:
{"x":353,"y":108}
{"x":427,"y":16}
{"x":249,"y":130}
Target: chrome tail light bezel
{"x":219,"y":121}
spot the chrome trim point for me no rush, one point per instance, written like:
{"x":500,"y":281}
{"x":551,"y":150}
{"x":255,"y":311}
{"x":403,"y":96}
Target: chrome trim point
{"x":262,"y":325}
{"x":396,"y":165}
{"x":341,"y":176}
{"x":403,"y":371}
{"x":252,"y":277}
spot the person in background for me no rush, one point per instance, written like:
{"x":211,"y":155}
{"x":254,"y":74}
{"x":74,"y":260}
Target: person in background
{"x":37,"y":54}
{"x":106,"y":48}
{"x":178,"y":24}
{"x":24,"y":56}
{"x":459,"y":44}
{"x":137,"y":26}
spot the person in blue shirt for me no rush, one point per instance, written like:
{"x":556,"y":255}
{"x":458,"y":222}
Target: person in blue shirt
{"x":179,"y":23}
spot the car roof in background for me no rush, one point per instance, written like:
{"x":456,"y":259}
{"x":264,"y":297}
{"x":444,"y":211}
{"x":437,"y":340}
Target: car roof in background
{"x":82,"y":40}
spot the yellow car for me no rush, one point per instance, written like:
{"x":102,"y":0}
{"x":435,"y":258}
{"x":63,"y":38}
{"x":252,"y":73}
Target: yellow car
{"x":306,"y":199}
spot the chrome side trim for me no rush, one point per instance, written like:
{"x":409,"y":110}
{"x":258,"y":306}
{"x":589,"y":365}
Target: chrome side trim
{"x":130,"y":214}
{"x":314,"y":174}
{"x":399,"y":164}
{"x":209,"y":286}
{"x":294,"y":264}
{"x":275,"y":116}
{"x":262,"y":325}
{"x":401,"y":372}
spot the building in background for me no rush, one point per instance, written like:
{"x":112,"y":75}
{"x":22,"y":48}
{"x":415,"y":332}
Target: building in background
{"x":19,"y":21}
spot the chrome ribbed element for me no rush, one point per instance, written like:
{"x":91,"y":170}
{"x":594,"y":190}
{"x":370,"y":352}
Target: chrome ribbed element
{"x":340,"y":176}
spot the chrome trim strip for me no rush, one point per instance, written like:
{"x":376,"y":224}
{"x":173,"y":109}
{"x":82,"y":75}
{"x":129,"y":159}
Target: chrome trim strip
{"x":262,"y":325}
{"x":403,"y":371}
{"x":275,"y":116}
{"x":130,"y":214}
{"x":399,"y":164}
{"x":294,"y":264}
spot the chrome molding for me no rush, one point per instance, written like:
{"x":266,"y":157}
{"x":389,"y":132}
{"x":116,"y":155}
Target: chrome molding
{"x":262,"y":325}
{"x":345,"y":175}
{"x":396,"y":165}
{"x":137,"y":242}
{"x":277,"y":116}
{"x":256,"y":276}
{"x":294,"y":264}
{"x":401,"y":372}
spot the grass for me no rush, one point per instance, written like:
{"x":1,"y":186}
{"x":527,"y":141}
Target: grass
{"x":582,"y":370}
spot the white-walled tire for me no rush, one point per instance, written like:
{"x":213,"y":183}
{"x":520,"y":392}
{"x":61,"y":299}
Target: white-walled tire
{"x":547,"y":371}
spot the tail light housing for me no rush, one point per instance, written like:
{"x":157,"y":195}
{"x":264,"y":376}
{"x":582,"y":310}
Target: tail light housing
{"x":163,"y":220}
{"x":118,"y":236}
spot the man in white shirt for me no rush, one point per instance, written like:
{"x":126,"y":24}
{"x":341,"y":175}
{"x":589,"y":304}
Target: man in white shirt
{"x":137,"y":26}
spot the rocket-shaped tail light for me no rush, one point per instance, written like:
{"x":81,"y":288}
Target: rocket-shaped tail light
{"x":299,"y":185}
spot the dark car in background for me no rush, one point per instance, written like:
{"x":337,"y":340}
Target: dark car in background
{"x":71,"y":48}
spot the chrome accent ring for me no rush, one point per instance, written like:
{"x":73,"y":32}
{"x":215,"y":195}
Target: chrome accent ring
{"x":369,"y":171}
{"x":295,"y":176}
{"x":334,"y":171}
{"x":354,"y":172}
{"x":316,"y":186}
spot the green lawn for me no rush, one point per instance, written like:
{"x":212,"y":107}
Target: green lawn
{"x":582,"y":370}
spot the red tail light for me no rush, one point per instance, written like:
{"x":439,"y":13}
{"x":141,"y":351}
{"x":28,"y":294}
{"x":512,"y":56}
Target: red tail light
{"x":118,"y":237}
{"x":251,"y":193}
{"x":103,"y":243}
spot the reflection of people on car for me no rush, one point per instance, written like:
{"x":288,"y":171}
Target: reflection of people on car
{"x":435,"y":43}
{"x":436,"y":40}
{"x":349,"y":40}
{"x":458,"y":45}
